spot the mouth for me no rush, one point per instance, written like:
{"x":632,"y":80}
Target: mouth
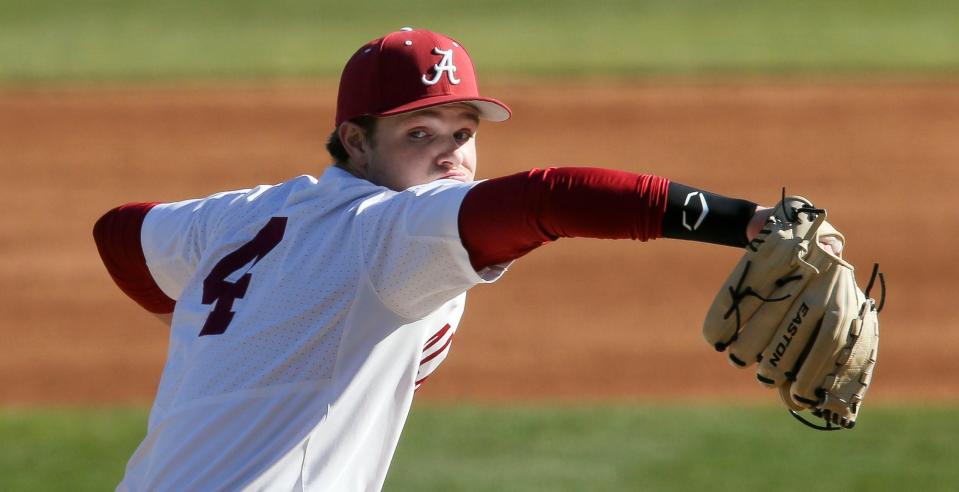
{"x":458,"y":176}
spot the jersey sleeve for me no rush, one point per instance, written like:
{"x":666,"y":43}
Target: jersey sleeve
{"x":175,"y":236}
{"x":172,"y":239}
{"x":117,"y":235}
{"x":412,"y":251}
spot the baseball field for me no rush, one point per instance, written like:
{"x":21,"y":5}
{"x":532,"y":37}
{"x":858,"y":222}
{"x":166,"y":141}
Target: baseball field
{"x":584,"y":367}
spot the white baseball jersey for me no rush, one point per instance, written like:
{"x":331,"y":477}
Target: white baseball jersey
{"x":306,"y":315}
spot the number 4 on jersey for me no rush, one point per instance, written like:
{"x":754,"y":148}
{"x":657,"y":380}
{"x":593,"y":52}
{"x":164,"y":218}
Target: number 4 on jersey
{"x":216,"y":287}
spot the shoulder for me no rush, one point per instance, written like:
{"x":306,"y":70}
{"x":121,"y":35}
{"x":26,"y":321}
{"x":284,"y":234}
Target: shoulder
{"x":428,"y":210}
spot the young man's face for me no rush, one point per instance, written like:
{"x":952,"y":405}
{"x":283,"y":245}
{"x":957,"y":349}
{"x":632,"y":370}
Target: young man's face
{"x":419,"y":147}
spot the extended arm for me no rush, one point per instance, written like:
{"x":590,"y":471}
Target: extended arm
{"x":504,"y":218}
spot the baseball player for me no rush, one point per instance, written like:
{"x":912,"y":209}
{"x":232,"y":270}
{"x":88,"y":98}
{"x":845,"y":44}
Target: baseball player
{"x":304,"y":315}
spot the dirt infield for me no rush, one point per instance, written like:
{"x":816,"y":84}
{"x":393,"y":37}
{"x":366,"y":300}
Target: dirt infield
{"x":577,"y":319}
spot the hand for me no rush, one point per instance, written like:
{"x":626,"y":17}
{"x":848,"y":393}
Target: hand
{"x":829,"y":243}
{"x":756,"y":223}
{"x":795,"y":310}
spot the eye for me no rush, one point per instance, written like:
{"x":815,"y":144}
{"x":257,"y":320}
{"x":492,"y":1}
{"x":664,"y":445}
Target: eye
{"x":463,"y":135}
{"x":418,"y":134}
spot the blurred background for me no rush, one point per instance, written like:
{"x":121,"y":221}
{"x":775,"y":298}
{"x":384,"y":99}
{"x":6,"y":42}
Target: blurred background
{"x":584,"y":367}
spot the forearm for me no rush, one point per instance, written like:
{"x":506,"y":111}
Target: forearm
{"x":699,"y":215}
{"x":504,"y":218}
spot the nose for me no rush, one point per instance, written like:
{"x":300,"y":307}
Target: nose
{"x":451,"y":155}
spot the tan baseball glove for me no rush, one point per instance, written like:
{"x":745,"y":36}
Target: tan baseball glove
{"x":792,"y":306}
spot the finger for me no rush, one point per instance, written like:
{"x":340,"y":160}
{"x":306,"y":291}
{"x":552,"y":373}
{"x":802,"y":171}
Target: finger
{"x":786,"y":396}
{"x":780,"y":356}
{"x":756,"y":335}
{"x":732,"y":306}
{"x":752,"y":281}
{"x":840,"y":321}
{"x":831,"y":244}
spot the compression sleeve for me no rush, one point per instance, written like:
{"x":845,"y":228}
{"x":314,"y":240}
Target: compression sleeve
{"x":504,"y":218}
{"x":117,"y":235}
{"x":698,"y":215}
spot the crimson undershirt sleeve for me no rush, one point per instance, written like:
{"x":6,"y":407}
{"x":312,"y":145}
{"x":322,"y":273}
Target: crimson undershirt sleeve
{"x":117,"y":235}
{"x":504,"y":218}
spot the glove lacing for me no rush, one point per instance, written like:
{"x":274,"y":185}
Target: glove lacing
{"x":825,"y":414}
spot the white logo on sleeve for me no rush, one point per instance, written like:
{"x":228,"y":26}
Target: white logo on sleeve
{"x":702,"y":213}
{"x":445,"y":65}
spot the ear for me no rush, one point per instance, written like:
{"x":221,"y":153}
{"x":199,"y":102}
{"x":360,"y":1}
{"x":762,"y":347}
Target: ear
{"x":356,"y":145}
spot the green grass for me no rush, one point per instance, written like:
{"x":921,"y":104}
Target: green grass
{"x":67,"y":449}
{"x":55,"y":40}
{"x":542,"y":448}
{"x":666,"y":449}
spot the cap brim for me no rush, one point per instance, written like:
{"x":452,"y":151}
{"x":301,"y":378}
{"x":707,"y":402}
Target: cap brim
{"x":489,"y":108}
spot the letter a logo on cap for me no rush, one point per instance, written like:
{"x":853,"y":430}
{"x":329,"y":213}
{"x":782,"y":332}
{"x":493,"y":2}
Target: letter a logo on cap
{"x":445,"y":65}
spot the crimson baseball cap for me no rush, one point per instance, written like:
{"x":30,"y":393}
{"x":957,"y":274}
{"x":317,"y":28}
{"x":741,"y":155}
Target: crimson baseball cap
{"x":407,"y":70}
